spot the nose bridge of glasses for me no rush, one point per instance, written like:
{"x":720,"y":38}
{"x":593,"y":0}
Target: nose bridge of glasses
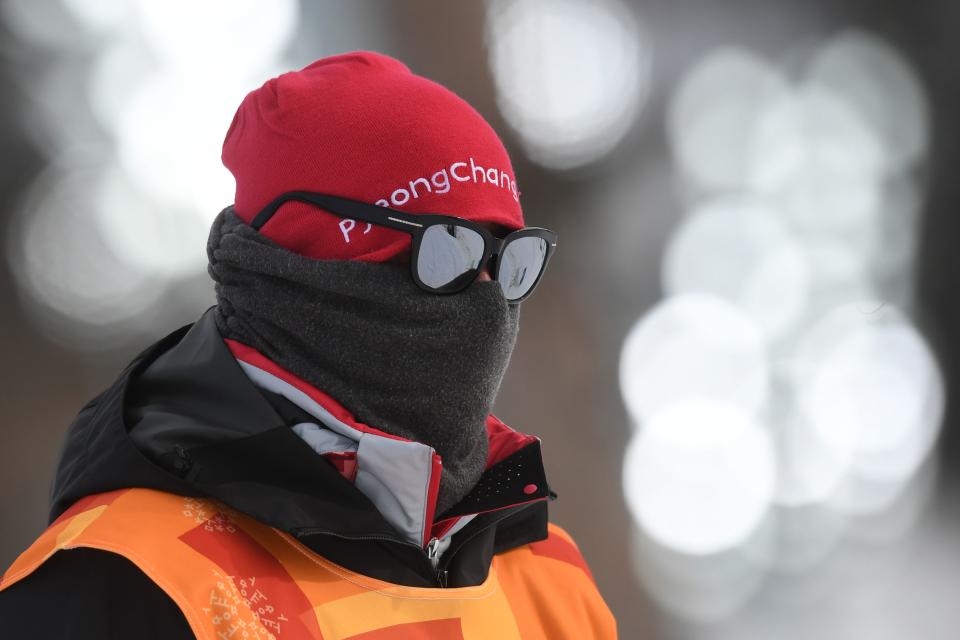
{"x":485,"y":269}
{"x":488,"y":267}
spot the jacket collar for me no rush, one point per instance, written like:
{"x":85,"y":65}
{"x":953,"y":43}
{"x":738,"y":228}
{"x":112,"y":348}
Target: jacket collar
{"x":185,"y":417}
{"x":400,"y":477}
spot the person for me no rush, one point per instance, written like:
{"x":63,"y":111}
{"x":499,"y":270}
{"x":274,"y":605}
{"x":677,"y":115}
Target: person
{"x":315,"y":456}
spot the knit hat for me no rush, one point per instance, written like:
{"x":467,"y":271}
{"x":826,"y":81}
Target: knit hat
{"x":361,"y":125}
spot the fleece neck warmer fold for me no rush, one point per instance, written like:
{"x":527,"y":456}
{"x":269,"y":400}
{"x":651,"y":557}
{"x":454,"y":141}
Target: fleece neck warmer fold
{"x":414,"y":364}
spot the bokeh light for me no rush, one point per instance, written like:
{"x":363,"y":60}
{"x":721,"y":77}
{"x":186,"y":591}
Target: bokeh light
{"x":713,"y":112}
{"x":570,"y":76}
{"x":808,"y":384}
{"x":693,"y":347}
{"x":102,"y":15}
{"x":701,"y":588}
{"x":699,"y":476}
{"x":809,"y":470}
{"x":118,"y":70}
{"x":218,"y":37}
{"x":62,"y":264}
{"x":882,"y":87}
{"x":800,"y":539}
{"x":169,"y":138}
{"x":147,"y":234}
{"x":737,"y":248}
{"x":141,"y":116}
{"x":871,"y":387}
{"x":818,"y":158}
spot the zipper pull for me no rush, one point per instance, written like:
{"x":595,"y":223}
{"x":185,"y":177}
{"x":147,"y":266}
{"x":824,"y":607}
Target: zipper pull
{"x":433,"y":552}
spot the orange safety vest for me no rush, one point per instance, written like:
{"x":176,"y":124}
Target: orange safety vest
{"x":236,"y":578}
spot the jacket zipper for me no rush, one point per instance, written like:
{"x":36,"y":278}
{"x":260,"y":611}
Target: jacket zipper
{"x":450,"y":553}
{"x":430,"y":552}
{"x":433,"y":554}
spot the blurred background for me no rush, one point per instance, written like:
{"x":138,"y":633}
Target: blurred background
{"x":741,"y":361}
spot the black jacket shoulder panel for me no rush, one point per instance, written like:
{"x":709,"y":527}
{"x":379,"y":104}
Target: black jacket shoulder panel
{"x":88,"y":594}
{"x":97,"y":455}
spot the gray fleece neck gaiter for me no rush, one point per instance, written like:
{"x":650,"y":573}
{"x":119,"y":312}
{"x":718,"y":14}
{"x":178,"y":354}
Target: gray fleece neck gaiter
{"x":414,"y":364}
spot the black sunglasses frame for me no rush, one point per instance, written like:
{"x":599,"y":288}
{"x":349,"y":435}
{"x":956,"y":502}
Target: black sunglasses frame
{"x":416,"y":225}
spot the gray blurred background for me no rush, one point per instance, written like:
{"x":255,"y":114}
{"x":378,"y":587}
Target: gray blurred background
{"x":741,"y":360}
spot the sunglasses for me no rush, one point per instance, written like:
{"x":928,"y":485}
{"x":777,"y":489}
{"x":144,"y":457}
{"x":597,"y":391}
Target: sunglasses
{"x":448,"y":252}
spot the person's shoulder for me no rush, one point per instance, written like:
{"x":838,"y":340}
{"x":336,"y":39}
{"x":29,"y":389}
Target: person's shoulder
{"x":556,"y":551}
{"x":87,"y":593}
{"x":560,"y":545}
{"x":559,"y":587}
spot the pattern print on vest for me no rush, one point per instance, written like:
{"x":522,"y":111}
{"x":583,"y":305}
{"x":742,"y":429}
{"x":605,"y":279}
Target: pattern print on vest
{"x":235,"y":578}
{"x":253,"y":588}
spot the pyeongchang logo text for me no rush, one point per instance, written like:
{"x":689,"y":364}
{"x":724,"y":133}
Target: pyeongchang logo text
{"x":441,"y":182}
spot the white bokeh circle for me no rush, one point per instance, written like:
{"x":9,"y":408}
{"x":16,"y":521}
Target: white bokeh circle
{"x":738,"y":248}
{"x":62,"y":264}
{"x":870,"y":385}
{"x":217,"y":35}
{"x":818,"y":159}
{"x":570,"y":76}
{"x":689,"y":347}
{"x":712,"y":114}
{"x":699,"y":477}
{"x":170,"y":137}
{"x":876,"y":80}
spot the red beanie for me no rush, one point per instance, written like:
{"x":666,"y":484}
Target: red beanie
{"x":361,"y":125}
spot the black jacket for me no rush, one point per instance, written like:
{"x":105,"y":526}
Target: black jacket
{"x":220,"y":436}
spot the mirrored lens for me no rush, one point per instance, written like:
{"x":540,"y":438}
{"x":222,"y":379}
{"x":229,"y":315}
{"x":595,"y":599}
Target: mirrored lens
{"x":449,"y":255}
{"x":520,"y":265}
